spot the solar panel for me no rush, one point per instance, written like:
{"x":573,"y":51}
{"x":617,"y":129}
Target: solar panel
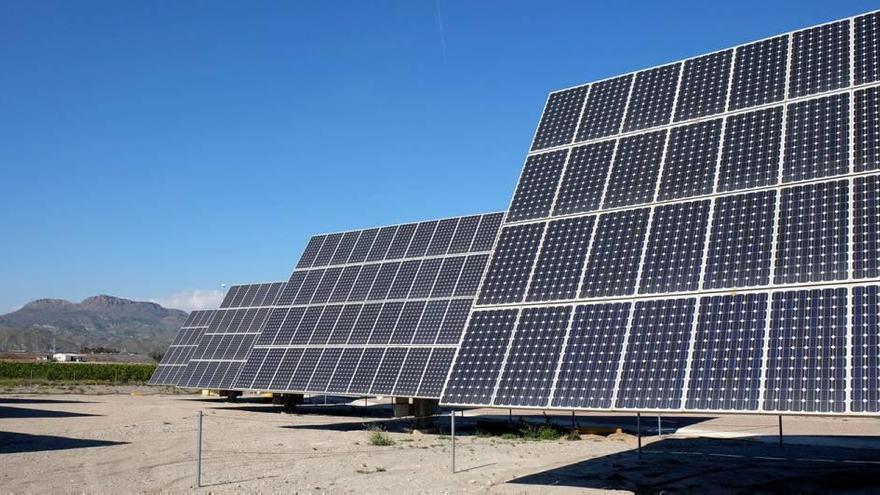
{"x":175,"y":359}
{"x":719,"y":251}
{"x":560,"y":118}
{"x":371,"y":326}
{"x":227,"y":337}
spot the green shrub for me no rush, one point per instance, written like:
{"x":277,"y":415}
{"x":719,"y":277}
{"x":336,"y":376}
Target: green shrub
{"x":540,"y":433}
{"x":86,"y":372}
{"x":379,"y":438}
{"x":573,"y":435}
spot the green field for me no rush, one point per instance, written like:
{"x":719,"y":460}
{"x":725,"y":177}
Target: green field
{"x":76,"y":372}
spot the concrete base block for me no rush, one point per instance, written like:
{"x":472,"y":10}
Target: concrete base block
{"x":424,"y":411}
{"x":402,"y":407}
{"x":287,"y":401}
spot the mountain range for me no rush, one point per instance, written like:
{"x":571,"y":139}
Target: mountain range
{"x":100,"y":321}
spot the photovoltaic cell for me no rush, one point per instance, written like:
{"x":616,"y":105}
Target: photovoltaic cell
{"x":366,"y":370}
{"x":759,"y":73}
{"x":472,"y":380}
{"x":704,"y":86}
{"x":429,"y":325}
{"x":486,"y":233}
{"x":464,"y":235}
{"x":363,"y":245}
{"x":820,"y":59}
{"x":325,"y":325}
{"x":386,"y":322}
{"x":537,"y":186}
{"x":603,"y":111}
{"x":382,"y":282}
{"x":421,"y":239}
{"x":675,"y":248}
{"x":346,"y":245}
{"x":813,"y":231}
{"x":382,"y":243}
{"x":561,"y":262}
{"x":425,"y":278}
{"x":326,"y":285}
{"x":324,"y":370}
{"x":344,"y":371}
{"x":866,"y":228}
{"x":386,"y":377}
{"x":454,"y":321}
{"x":806,"y":368}
{"x":652,"y":97}
{"x":507,"y":276}
{"x":613,"y":264}
{"x":311,"y":251}
{"x":364,"y":282}
{"x":328,"y":248}
{"x":560,"y":118}
{"x":308,"y":287}
{"x":435,"y":372}
{"x":656,"y":351}
{"x":470,"y":275}
{"x":867,"y":48}
{"x":344,"y":324}
{"x":531,"y":363}
{"x":402,"y":238}
{"x":344,"y":283}
{"x":404,"y":279}
{"x":691,"y":160}
{"x":726,"y":362}
{"x":866,"y":349}
{"x":591,"y":356}
{"x":448,"y":276}
{"x":636,"y":166}
{"x":442,"y":236}
{"x":867,"y":131}
{"x":750,"y":156}
{"x":817,"y":139}
{"x":365,"y":322}
{"x":304,"y":371}
{"x":411,"y":372}
{"x":584,"y":178}
{"x":740,"y":245}
{"x":408,"y":322}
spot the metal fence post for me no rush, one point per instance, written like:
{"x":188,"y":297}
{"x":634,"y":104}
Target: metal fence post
{"x":452,"y":430}
{"x":199,"y":453}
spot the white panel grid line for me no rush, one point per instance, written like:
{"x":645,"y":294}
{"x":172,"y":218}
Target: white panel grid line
{"x":624,"y":347}
{"x":560,"y":357}
{"x":503,"y":365}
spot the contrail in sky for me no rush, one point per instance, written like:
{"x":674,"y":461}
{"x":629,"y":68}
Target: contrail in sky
{"x":442,"y":35}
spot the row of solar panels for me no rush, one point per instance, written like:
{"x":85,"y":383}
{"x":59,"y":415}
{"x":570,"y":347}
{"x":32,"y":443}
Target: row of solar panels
{"x":815,"y":60}
{"x":722,"y":155}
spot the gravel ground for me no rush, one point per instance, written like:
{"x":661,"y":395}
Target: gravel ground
{"x":143,"y":441}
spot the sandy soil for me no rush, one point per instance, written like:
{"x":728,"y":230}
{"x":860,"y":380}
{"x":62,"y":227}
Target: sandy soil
{"x":146,"y":443}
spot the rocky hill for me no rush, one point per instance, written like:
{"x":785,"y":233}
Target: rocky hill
{"x":99,"y":321}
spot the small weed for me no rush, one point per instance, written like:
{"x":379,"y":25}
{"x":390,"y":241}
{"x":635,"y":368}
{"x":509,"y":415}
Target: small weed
{"x":379,"y":437}
{"x":406,"y":440}
{"x":509,"y":436}
{"x":380,"y":469}
{"x":540,"y":433}
{"x":573,"y":435}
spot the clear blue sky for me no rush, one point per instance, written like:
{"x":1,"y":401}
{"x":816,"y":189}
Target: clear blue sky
{"x":151,"y":149}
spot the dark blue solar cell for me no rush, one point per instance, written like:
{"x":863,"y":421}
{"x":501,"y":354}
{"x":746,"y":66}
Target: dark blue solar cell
{"x":400,"y":243}
{"x":867,"y":131}
{"x":249,"y":371}
{"x":266,"y":368}
{"x":478,"y":363}
{"x":288,"y":295}
{"x":867,"y":48}
{"x":279,"y":375}
{"x":740,"y":246}
{"x":325,"y":325}
{"x":652,"y":98}
{"x":307,"y":325}
{"x":759,"y":73}
{"x":448,"y":276}
{"x":344,"y":324}
{"x":464,"y":234}
{"x":817,"y":139}
{"x":704,"y":86}
{"x":227,"y":299}
{"x":328,"y":248}
{"x":363,"y":245}
{"x":866,"y":227}
{"x":636,"y":167}
{"x":429,"y":325}
{"x":311,"y":251}
{"x":675,"y":248}
{"x":435,"y":372}
{"x":272,"y":326}
{"x":487,"y":232}
{"x":366,"y":371}
{"x":442,"y":237}
{"x":750,"y":157}
{"x":411,"y":372}
{"x":381,"y":244}
{"x":454,"y":321}
{"x":691,"y":160}
{"x":511,"y":264}
{"x":537,"y":186}
{"x":304,"y":371}
{"x":613,"y":263}
{"x":344,"y":371}
{"x":471,"y":274}
{"x":421,"y":239}
{"x":584,"y":178}
{"x":324,"y":370}
{"x":561,"y":262}
{"x":404,"y":279}
{"x":388,"y":371}
{"x":603,"y":111}
{"x":592,"y":356}
{"x":813,"y":230}
{"x":408,"y":322}
{"x":560,"y":118}
{"x":819,"y":60}
{"x":326,"y":286}
{"x":346,"y":245}
{"x":531,"y":363}
{"x":364,"y":282}
{"x":656,"y":354}
{"x":345,"y":283}
{"x":425,"y":278}
{"x":386,"y":322}
{"x":382,"y":282}
{"x":310,"y":284}
{"x":726,"y":363}
{"x":286,"y":329}
{"x":806,"y":363}
{"x":866,"y":349}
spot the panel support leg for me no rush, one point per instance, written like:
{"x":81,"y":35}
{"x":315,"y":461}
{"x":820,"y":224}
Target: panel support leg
{"x":659,"y":427}
{"x":780,"y":431}
{"x":452,"y":432}
{"x":639,"y":431}
{"x":573,"y":422}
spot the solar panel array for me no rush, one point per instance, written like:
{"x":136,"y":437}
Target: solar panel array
{"x":177,"y":356}
{"x":376,"y":311}
{"x":227,"y":337}
{"x":699,"y":236}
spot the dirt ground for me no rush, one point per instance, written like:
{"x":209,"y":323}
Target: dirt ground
{"x":143,"y":441}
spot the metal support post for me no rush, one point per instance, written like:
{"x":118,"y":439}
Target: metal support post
{"x":780,"y":430}
{"x":199,"y":453}
{"x":573,"y":423}
{"x":452,"y":431}
{"x":659,"y":427}
{"x":639,"y":431}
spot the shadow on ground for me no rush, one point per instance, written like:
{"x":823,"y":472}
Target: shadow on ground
{"x":23,"y":442}
{"x":23,"y":412}
{"x":721,"y":466}
{"x":38,"y":400}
